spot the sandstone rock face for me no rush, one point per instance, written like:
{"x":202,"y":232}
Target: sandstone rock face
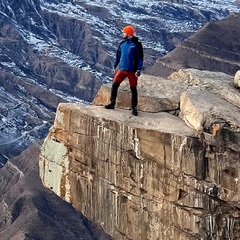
{"x":211,"y":105}
{"x":151,"y":176}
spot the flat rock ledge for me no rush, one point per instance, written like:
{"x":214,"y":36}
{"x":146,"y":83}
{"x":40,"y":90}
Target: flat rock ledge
{"x":208,"y":102}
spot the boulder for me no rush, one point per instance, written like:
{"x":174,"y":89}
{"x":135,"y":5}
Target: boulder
{"x":155,"y":94}
{"x":237,"y":79}
{"x":211,"y":105}
{"x":218,"y":83}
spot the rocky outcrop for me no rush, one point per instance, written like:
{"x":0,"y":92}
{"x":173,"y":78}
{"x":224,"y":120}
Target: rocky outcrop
{"x":214,"y":48}
{"x":210,"y":99}
{"x":155,"y":94}
{"x":158,"y":175}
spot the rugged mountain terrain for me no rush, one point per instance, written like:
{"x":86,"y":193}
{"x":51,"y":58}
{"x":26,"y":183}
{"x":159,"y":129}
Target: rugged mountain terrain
{"x":62,"y":51}
{"x":214,"y":47}
{"x":55,"y":51}
{"x":29,"y":211}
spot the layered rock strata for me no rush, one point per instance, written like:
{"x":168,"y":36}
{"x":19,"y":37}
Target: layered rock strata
{"x":154,"y":176}
{"x":214,"y":47}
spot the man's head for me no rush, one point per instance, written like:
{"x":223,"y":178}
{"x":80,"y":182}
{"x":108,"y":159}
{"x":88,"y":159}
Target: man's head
{"x":128,"y":32}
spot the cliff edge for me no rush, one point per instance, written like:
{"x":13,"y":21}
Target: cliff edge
{"x":171,"y":173}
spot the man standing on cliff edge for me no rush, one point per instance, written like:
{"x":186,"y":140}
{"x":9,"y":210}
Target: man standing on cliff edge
{"x":129,"y":56}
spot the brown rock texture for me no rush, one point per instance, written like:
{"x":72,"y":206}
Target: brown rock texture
{"x":153,"y":176}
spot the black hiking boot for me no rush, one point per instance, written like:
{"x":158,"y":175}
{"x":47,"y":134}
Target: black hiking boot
{"x":134,"y":111}
{"x":109,"y":106}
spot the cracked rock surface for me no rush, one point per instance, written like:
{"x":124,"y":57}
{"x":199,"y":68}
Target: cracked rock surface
{"x":154,"y":176}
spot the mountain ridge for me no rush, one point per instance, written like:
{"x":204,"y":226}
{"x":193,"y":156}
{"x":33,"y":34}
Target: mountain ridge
{"x":29,"y":211}
{"x":214,"y":47}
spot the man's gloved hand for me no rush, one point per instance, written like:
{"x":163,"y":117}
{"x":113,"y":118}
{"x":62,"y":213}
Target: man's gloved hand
{"x":113,"y":71}
{"x":138,"y":73}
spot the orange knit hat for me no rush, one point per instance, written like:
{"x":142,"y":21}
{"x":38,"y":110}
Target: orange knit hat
{"x":129,"y":30}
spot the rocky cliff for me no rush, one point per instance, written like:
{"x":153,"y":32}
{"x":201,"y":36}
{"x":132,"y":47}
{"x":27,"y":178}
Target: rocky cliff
{"x":171,"y":173}
{"x":55,"y":51}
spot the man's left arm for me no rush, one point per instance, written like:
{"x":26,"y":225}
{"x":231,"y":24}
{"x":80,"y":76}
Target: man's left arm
{"x":140,"y":59}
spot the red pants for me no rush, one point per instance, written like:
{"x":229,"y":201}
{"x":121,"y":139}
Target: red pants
{"x":121,"y":75}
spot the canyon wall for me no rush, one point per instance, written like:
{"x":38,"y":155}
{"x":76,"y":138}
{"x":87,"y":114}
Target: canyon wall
{"x":170,"y":173}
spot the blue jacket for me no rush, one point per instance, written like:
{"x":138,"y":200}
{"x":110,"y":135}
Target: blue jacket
{"x":129,"y":55}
